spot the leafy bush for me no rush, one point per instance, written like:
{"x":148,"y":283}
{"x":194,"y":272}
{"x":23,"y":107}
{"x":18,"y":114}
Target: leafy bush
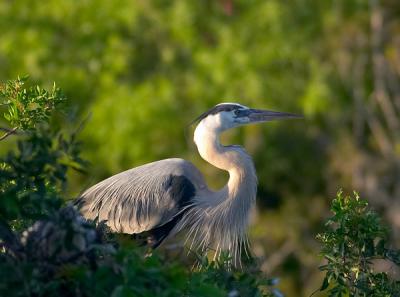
{"x":353,"y":238}
{"x":33,"y":177}
{"x":61,"y":254}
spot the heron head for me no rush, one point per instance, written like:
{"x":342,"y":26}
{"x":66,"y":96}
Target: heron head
{"x":225,"y":116}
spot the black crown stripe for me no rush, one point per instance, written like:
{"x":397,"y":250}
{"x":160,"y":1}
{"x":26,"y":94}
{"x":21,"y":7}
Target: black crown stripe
{"x":217,"y":109}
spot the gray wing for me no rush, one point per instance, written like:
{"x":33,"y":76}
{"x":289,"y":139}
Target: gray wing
{"x":142,"y":198}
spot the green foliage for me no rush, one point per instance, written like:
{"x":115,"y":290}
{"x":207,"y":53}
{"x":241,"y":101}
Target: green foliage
{"x":33,"y":176}
{"x":353,"y":238}
{"x":28,"y":107}
{"x":60,"y":253}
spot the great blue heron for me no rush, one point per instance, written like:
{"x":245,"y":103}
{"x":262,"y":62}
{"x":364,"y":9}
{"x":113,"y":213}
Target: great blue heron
{"x":167,"y":196}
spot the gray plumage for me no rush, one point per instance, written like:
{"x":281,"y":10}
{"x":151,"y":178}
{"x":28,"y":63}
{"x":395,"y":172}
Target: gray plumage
{"x":168,"y":196}
{"x":144,"y":197}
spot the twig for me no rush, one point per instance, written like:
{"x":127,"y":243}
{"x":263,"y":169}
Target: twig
{"x":8,"y":132}
{"x":5,"y":129}
{"x":277,"y":258}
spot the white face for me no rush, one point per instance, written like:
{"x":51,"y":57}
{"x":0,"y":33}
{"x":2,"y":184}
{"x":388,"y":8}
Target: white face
{"x":225,"y":120}
{"x":229,"y":115}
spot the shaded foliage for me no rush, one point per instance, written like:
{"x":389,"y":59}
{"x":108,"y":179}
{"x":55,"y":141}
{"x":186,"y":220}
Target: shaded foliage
{"x":66,"y":256}
{"x":354,"y":237}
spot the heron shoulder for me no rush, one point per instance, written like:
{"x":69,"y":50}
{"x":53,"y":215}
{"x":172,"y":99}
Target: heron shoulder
{"x":177,"y":167}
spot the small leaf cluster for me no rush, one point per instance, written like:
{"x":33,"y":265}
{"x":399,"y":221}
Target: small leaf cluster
{"x":354,"y":237}
{"x":27,"y":107}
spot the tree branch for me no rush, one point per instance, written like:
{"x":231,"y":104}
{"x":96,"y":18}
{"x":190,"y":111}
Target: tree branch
{"x":378,"y":67}
{"x":8,"y":132}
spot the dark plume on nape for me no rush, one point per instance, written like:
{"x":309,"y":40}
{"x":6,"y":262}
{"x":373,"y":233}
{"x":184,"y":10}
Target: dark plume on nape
{"x":216,"y":109}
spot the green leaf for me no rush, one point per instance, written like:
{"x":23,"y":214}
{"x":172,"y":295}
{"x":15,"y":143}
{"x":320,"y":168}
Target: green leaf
{"x":325,"y":284}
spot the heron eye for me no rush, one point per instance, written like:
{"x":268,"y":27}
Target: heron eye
{"x":240,"y":112}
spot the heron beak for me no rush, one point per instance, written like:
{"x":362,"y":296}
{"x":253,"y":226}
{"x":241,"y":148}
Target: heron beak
{"x":260,"y":116}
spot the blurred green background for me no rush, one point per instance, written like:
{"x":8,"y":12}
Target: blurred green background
{"x":144,"y":70}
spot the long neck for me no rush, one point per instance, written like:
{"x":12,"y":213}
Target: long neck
{"x":220,"y":219}
{"x":242,"y":176}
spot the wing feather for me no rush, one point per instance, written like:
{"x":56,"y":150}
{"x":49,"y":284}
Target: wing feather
{"x":142,"y":198}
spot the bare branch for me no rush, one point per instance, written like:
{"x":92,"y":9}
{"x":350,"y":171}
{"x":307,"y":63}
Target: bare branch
{"x":277,"y":258}
{"x":393,"y":85}
{"x":377,"y":129}
{"x":5,"y":129}
{"x":8,"y":132}
{"x":379,"y":63}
